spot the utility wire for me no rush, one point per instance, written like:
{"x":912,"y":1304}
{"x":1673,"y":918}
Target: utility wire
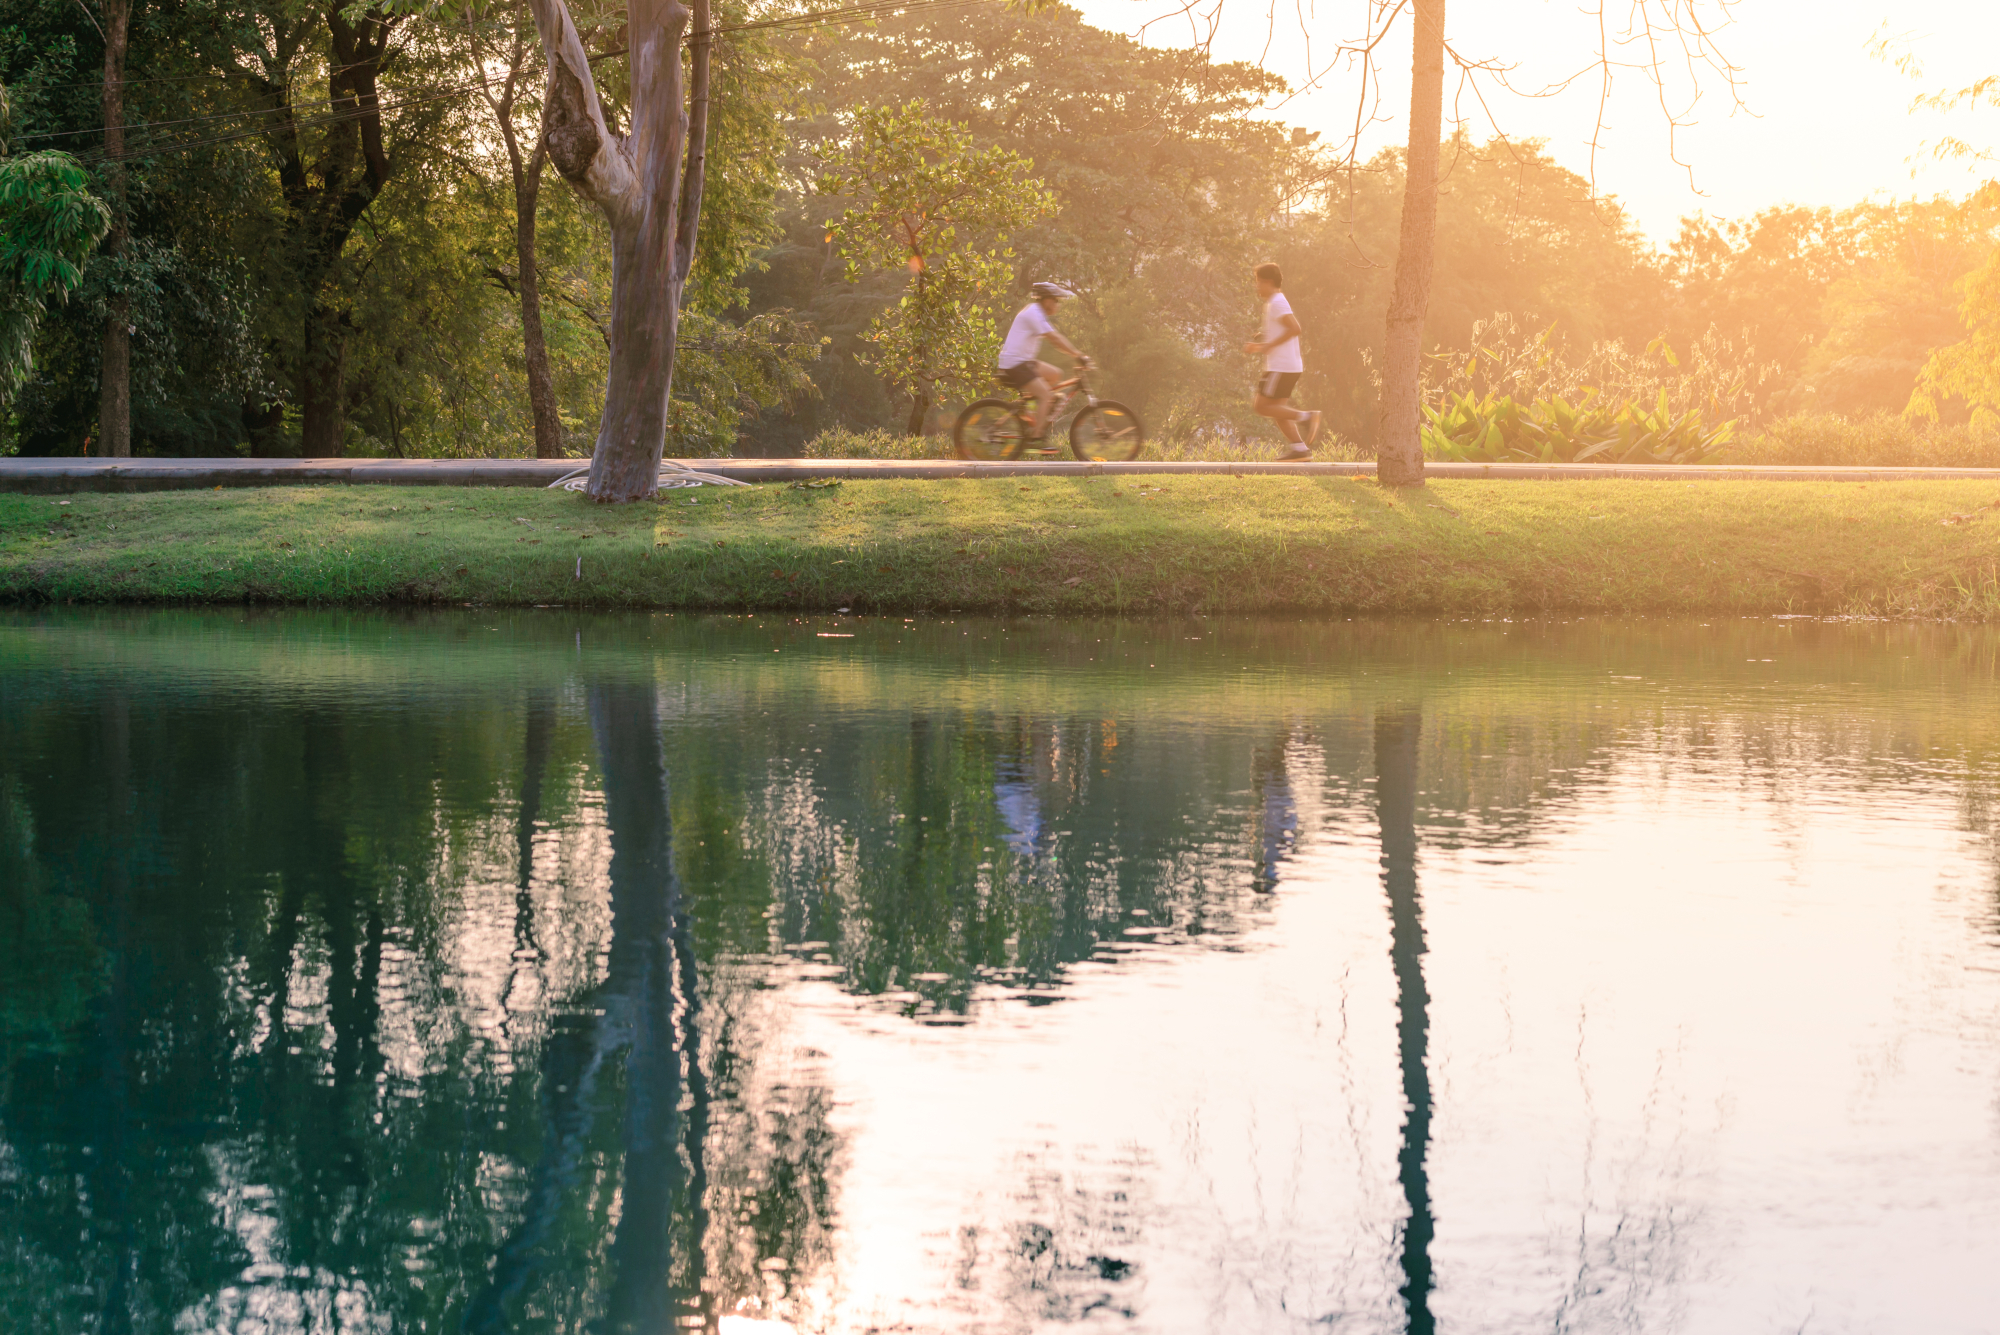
{"x":813,"y":19}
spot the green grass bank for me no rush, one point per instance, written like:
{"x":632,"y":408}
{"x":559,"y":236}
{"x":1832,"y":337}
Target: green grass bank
{"x":1140,"y":545}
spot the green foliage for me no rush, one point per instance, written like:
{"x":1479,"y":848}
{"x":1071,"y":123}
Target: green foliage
{"x":1877,"y":440}
{"x":724,"y":371}
{"x":926,"y":199}
{"x":1517,"y":397}
{"x":1494,"y":429}
{"x":841,"y":443}
{"x":1163,"y":183}
{"x":1965,"y":369}
{"x":49,"y":224}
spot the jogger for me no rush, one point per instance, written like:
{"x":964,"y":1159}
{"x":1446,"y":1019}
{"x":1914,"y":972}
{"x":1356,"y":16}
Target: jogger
{"x":1283,"y":365}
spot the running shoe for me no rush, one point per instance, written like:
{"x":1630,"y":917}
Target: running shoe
{"x":1298,"y":453}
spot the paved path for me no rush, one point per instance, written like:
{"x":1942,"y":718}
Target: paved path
{"x":56,"y":475}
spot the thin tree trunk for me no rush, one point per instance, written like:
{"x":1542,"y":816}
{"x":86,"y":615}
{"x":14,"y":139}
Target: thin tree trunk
{"x":1399,"y":452}
{"x":534,"y":346}
{"x":920,"y":412}
{"x":114,"y":386}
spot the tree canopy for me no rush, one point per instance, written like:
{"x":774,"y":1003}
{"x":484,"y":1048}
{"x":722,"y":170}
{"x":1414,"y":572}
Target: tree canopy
{"x":324,"y":237}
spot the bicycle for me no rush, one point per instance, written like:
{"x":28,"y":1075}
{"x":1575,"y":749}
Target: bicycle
{"x":1103,"y":429}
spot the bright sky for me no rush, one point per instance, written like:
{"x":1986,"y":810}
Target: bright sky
{"x":1823,"y":122}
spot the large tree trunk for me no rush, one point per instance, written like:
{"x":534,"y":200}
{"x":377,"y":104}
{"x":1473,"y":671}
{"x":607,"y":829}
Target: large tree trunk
{"x":649,"y":186}
{"x":645,"y":323}
{"x":114,"y":386}
{"x":1399,"y":453}
{"x":920,"y":412}
{"x":327,"y":199}
{"x":322,"y":386}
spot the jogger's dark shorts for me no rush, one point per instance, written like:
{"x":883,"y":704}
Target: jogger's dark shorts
{"x":1278,"y":384}
{"x":1021,"y":376}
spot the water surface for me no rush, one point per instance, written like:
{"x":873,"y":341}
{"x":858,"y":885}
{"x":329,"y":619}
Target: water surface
{"x":537,"y":972}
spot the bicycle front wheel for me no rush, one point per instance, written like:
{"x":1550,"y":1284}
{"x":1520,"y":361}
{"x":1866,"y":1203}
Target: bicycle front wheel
{"x":987,"y":429}
{"x":1106,"y":431}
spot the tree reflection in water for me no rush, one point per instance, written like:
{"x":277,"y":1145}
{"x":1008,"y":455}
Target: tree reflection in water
{"x":1396,"y":736}
{"x":420,"y":1008}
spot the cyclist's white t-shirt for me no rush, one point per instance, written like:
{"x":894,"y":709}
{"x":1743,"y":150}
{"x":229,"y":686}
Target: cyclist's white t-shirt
{"x":1285,"y":357}
{"x":1024,"y":338}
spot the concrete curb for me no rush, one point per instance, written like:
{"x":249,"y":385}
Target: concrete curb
{"x":70,"y":475}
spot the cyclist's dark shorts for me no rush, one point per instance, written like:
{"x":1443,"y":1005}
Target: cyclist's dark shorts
{"x":1020,"y":376}
{"x":1278,"y":384}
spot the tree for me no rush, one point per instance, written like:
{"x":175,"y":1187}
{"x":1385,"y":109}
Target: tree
{"x":114,"y":412}
{"x":49,"y":222}
{"x":325,"y":194}
{"x":1970,"y":368}
{"x":1677,"y":27}
{"x":1167,"y":190}
{"x":1399,"y":458}
{"x":916,"y":181}
{"x":648,"y":184}
{"x":509,"y":48}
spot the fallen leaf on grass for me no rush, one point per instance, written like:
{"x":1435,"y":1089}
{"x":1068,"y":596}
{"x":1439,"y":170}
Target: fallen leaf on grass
{"x":881,"y":570}
{"x":1073,"y":580}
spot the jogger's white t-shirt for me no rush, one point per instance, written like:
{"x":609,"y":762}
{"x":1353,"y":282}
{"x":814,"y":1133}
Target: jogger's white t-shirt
{"x":1285,"y":357}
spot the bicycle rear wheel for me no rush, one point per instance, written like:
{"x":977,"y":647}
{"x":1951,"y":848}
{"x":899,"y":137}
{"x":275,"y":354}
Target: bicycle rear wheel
{"x":1106,"y":431}
{"x":988,"y":429}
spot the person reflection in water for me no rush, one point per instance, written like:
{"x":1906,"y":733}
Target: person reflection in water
{"x":1278,"y":813}
{"x":1018,"y":775}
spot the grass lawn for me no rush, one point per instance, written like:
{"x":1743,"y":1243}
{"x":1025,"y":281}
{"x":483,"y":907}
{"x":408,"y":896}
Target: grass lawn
{"x":1137,"y":545}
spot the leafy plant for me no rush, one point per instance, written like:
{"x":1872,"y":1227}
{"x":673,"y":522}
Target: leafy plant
{"x":1498,"y":429}
{"x":49,"y":224}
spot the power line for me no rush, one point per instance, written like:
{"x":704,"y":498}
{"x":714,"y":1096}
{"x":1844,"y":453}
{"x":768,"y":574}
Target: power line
{"x":813,"y":19}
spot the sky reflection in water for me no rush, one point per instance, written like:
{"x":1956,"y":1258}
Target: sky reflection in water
{"x":536,"y":973}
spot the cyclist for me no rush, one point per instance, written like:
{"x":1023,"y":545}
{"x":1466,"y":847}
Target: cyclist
{"x":1019,"y":355}
{"x":1282,"y":368}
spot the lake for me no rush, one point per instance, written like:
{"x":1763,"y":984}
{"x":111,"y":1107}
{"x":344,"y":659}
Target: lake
{"x":539,"y":971}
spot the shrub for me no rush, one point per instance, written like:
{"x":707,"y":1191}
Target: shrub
{"x":874,"y":443}
{"x":1493,"y":429}
{"x":1879,"y":441}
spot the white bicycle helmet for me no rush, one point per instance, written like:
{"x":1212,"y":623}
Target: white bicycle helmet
{"x":1043,"y":291}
